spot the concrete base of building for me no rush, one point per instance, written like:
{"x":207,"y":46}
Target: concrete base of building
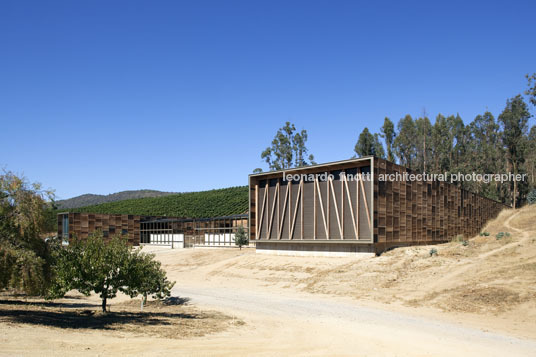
{"x":221,"y":246}
{"x":316,"y":249}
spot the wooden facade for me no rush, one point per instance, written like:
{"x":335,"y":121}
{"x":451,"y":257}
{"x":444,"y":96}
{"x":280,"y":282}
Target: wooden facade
{"x":194,"y":229}
{"x":139,"y":228}
{"x":329,"y":204}
{"x":311,"y":207}
{"x":82,"y":225}
{"x":420,"y":212}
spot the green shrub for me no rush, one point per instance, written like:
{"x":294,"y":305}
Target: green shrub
{"x":433,"y":252}
{"x":531,"y":197}
{"x":484,"y":234}
{"x":241,"y":237}
{"x":500,"y":235}
{"x":465,"y":243}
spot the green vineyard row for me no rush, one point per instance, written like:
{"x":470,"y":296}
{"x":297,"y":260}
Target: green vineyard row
{"x":213,"y":203}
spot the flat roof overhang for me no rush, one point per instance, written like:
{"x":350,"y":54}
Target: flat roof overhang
{"x":206,"y":219}
{"x":314,"y":168}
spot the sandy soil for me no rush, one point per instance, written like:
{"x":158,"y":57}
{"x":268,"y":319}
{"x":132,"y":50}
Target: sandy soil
{"x":474,"y":298}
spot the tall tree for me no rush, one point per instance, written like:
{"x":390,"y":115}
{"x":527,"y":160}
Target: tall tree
{"x":404,"y":143}
{"x":365,"y":144}
{"x":288,"y":149}
{"x":378,"y":147}
{"x":457,"y":136}
{"x":440,"y":145}
{"x":514,"y":121}
{"x":531,"y":155}
{"x":424,"y":134}
{"x":486,"y":154}
{"x":388,"y":134}
{"x":368,"y":144}
{"x":300,"y":150}
{"x":24,"y":257}
{"x":531,"y":91}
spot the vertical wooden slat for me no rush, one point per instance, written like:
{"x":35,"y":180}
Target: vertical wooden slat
{"x":256,"y":211}
{"x":262,"y":210}
{"x":328,"y":209}
{"x":351,"y":208}
{"x":301,"y":204}
{"x":322,"y":208}
{"x":295,"y":211}
{"x":366,"y":203}
{"x":289,"y":188}
{"x":276,"y":198}
{"x":357,"y":201}
{"x":278,"y":204}
{"x":342,"y":204}
{"x":335,"y":205}
{"x":283,"y":213}
{"x":314,"y":210}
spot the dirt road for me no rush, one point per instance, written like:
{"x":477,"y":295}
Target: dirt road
{"x":337,"y":327}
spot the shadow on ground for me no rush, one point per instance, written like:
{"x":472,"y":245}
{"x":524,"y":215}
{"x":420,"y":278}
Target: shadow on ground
{"x":176,"y":300}
{"x":87,"y":316}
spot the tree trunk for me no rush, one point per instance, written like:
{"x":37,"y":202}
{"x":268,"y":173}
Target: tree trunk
{"x":424,"y":150}
{"x":515,"y":185}
{"x":104,"y":303}
{"x":143,"y":301}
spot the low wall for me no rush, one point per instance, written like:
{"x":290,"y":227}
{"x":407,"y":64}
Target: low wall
{"x":316,"y":249}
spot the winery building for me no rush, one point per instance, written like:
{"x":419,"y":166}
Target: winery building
{"x":349,"y":207}
{"x":173,"y":231}
{"x":339,"y":208}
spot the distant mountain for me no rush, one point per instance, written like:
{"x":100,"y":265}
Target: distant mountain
{"x":91,"y":199}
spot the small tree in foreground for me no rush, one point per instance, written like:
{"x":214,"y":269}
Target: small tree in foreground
{"x":93,"y":265}
{"x":241,"y":237}
{"x":146,"y":277}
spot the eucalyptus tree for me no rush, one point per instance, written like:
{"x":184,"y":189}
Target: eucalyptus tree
{"x":404,"y":143}
{"x":388,"y":134}
{"x":423,"y":154}
{"x":288,"y":149}
{"x":514,"y":122}
{"x":369,"y":144}
{"x":486,"y":152}
{"x":531,"y":91}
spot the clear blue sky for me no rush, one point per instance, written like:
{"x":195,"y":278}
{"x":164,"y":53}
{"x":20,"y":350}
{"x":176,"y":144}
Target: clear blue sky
{"x":104,"y":96}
